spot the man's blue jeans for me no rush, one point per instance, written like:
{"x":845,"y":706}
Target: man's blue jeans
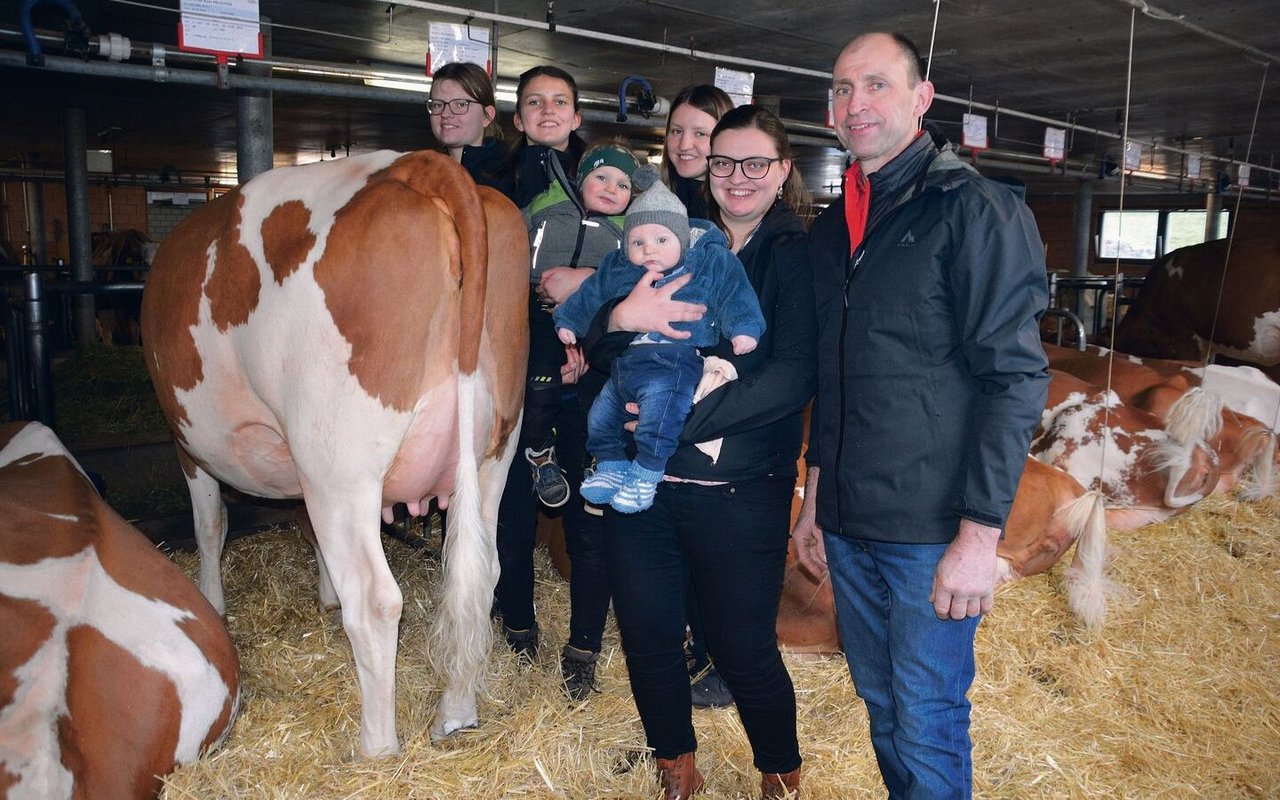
{"x":661,"y":378}
{"x":911,"y":669}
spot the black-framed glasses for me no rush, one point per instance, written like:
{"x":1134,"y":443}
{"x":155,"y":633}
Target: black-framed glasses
{"x":754,"y":167}
{"x":458,"y":106}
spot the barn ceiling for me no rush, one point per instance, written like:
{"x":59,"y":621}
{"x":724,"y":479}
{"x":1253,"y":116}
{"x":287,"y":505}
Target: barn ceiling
{"x":1197,"y":74}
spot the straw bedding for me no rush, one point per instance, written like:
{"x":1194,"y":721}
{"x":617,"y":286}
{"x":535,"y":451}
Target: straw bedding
{"x":1176,"y":696}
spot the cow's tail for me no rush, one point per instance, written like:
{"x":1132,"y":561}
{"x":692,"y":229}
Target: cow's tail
{"x":1257,"y":449}
{"x":1086,"y":581}
{"x":1195,"y":417}
{"x":462,"y":634}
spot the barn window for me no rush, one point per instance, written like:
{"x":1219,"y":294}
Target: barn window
{"x":1147,"y":234}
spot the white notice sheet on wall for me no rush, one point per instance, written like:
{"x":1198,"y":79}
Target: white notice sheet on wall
{"x":739,"y":85}
{"x":450,"y":43}
{"x":975,"y":132}
{"x":220,"y":26}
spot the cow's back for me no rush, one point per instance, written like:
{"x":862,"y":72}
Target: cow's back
{"x":313,"y":308}
{"x":113,"y":667}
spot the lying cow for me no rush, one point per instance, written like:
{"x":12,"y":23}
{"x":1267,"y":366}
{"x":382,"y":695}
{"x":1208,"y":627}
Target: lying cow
{"x":354,"y":333}
{"x":1051,"y":511}
{"x":1216,"y":404}
{"x":1144,"y":474}
{"x":1193,"y":301}
{"x":113,"y":668}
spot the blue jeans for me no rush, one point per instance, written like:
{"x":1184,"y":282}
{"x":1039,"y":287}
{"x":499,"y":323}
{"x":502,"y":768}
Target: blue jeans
{"x":661,"y":378}
{"x":732,"y":540}
{"x":911,"y":669}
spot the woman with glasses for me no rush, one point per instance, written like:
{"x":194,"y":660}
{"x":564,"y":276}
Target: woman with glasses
{"x":464,"y":120}
{"x":694,"y":114}
{"x":724,"y":520}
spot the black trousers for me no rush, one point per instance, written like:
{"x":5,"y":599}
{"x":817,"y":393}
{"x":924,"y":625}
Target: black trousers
{"x":517,"y":524}
{"x":543,"y":386}
{"x":732,"y":540}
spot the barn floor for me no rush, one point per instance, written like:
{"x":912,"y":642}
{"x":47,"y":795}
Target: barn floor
{"x":1176,"y":698}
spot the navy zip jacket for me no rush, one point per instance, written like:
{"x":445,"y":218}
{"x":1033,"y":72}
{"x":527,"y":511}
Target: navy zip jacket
{"x":761,"y":414}
{"x":931,"y":374}
{"x":530,"y":172}
{"x":489,"y":165}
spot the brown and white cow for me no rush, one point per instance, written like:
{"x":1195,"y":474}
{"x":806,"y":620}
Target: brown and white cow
{"x":354,"y":333}
{"x":1144,"y":474}
{"x":1050,"y":512}
{"x":1193,"y":301}
{"x":1221,"y":405}
{"x":113,"y":668}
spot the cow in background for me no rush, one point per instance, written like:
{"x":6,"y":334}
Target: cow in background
{"x":113,"y":668}
{"x":353,"y":332}
{"x":1144,"y":474}
{"x":1193,"y":300}
{"x":1050,"y":512}
{"x":1222,"y":405}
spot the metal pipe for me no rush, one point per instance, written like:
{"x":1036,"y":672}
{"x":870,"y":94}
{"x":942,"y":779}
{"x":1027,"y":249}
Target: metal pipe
{"x":38,"y":353}
{"x":33,"y":194}
{"x":255,"y":140}
{"x":1083,"y":229}
{"x":79,"y":224}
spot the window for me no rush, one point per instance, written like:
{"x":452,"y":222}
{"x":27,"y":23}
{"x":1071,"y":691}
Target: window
{"x":1183,"y":228}
{"x":1130,"y":235}
{"x":1145,"y":235}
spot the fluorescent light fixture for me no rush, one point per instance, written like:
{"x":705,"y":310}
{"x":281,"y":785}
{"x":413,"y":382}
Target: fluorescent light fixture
{"x":406,"y":86}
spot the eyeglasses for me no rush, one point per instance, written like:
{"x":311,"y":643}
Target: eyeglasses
{"x":754,"y":167}
{"x":458,"y":106}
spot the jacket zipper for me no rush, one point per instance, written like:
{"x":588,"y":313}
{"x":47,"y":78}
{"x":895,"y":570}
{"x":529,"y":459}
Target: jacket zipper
{"x":855,"y":260}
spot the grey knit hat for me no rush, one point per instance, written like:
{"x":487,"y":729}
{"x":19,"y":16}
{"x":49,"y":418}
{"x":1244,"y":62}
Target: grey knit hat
{"x":656,"y":204}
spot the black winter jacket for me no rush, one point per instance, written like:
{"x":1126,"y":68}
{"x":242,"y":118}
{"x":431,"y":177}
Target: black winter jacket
{"x":528,"y":167}
{"x":489,"y":165}
{"x":760,"y":415}
{"x":931,"y":375}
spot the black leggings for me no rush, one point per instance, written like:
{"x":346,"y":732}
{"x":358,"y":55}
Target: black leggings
{"x":732,"y":539}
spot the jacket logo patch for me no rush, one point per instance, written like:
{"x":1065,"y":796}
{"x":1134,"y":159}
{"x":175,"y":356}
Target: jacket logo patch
{"x":908,"y":241}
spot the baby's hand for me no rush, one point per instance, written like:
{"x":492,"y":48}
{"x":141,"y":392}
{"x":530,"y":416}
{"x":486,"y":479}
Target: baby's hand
{"x":743,"y":344}
{"x":567,"y":336}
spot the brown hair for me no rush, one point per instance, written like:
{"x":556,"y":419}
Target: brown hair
{"x":550,"y":72}
{"x":762,"y":119}
{"x":475,"y":82}
{"x":706,"y":98}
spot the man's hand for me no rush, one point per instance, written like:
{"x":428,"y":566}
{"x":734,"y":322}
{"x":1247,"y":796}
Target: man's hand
{"x":965,"y":581}
{"x":811,"y":549}
{"x":558,"y":283}
{"x":648,"y":309}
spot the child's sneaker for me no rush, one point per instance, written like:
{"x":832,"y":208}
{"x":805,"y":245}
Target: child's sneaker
{"x":600,"y":486}
{"x":548,"y":481}
{"x":637,"y":494}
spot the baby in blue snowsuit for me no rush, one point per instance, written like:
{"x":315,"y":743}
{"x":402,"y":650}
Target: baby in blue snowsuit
{"x":656,"y":372}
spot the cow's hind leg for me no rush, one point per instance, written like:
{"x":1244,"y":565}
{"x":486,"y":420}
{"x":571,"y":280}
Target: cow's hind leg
{"x":210,"y":518}
{"x":328,"y":597}
{"x":346,"y":530}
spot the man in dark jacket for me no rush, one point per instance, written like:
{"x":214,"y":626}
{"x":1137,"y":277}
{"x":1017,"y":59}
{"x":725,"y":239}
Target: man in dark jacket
{"x":930,"y":282}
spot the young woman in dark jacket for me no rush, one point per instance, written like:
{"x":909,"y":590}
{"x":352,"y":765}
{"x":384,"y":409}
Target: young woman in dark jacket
{"x":725,"y":520}
{"x":464,"y":120}
{"x":687,"y":143}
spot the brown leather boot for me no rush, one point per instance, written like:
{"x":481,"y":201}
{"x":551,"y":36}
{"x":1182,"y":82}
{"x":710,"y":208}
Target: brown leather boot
{"x":780,"y":786}
{"x":679,"y":776}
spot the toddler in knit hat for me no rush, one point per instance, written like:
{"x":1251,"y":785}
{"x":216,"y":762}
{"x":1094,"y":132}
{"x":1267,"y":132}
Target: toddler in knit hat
{"x":571,"y":226}
{"x":657,"y":372}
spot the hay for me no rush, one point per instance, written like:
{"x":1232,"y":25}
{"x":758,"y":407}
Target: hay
{"x":1175,"y":697}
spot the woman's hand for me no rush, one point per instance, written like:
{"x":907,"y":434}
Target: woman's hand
{"x":575,"y":366}
{"x":648,"y":309}
{"x":558,"y":283}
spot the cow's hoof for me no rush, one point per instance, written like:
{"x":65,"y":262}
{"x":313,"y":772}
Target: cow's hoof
{"x":442,"y":729}
{"x":381,"y":751}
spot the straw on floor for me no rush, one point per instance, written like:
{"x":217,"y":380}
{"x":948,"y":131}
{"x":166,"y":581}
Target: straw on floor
{"x":1176,"y":697}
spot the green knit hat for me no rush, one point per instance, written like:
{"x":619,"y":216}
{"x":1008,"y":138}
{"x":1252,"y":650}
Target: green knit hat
{"x":656,"y":204}
{"x":607,"y":155}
